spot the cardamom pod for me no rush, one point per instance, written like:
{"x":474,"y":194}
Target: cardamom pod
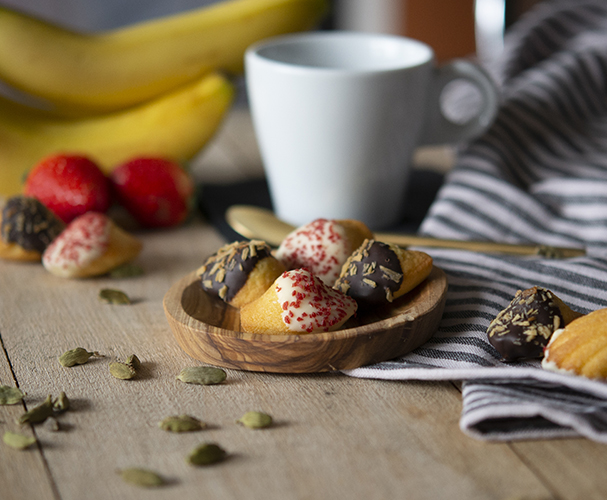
{"x":181,"y":423}
{"x":255,"y":420}
{"x":133,"y":361}
{"x":77,"y":356}
{"x":38,"y":413}
{"x":128,"y":270}
{"x":206,"y":454}
{"x":18,"y":441}
{"x":111,"y":296}
{"x":62,"y":403}
{"x":10,"y":395}
{"x":141,"y":477}
{"x":121,"y":370}
{"x":203,"y":375}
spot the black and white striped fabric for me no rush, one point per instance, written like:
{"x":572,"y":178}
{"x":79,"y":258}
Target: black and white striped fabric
{"x":539,"y":175}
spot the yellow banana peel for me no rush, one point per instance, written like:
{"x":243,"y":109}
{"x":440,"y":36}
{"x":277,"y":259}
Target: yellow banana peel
{"x":97,"y":73}
{"x":176,"y":125}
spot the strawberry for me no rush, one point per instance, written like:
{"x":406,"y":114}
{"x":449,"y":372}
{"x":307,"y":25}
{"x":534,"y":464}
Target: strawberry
{"x":69,"y":186}
{"x":157,"y":192}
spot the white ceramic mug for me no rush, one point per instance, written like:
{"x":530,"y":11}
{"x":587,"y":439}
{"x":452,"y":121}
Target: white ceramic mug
{"x":338,"y":116}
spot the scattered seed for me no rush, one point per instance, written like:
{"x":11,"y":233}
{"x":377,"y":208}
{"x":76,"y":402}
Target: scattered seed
{"x":128,"y":270}
{"x":141,"y":477}
{"x":121,"y":370}
{"x":203,"y":375}
{"x":38,"y":414}
{"x":206,"y":454}
{"x":134,"y":362}
{"x":181,"y":423}
{"x":10,"y":395}
{"x":77,"y":356}
{"x":255,"y":420}
{"x":111,"y":296}
{"x":62,"y":403}
{"x":18,"y":441}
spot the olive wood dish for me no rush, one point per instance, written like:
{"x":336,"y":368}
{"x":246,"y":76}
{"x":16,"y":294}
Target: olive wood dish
{"x":208,"y":329}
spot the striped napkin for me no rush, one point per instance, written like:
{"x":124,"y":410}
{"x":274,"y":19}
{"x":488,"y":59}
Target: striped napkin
{"x":539,"y":175}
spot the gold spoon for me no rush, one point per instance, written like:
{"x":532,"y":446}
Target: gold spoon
{"x":260,"y":223}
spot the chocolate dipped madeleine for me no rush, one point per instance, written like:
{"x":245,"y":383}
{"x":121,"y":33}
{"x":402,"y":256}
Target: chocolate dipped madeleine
{"x":27,"y":228}
{"x":378,"y":272}
{"x":322,"y":246}
{"x":297,"y":303}
{"x":240,"y":272}
{"x":523,"y":329}
{"x":580,"y":348}
{"x":91,"y":245}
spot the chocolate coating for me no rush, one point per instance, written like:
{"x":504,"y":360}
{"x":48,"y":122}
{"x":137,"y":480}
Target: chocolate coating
{"x":29,"y":224}
{"x":371,"y":274}
{"x":524,"y":328}
{"x":226,"y":272}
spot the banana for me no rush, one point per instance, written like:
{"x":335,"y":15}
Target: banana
{"x":98,"y":73}
{"x":176,"y":125}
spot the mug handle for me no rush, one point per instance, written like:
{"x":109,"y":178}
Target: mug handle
{"x":438,"y":129}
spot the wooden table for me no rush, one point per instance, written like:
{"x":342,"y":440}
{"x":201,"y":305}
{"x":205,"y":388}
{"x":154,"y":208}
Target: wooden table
{"x":335,"y":437}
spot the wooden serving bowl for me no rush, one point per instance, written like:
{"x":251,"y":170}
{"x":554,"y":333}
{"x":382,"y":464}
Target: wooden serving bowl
{"x":208,"y":329}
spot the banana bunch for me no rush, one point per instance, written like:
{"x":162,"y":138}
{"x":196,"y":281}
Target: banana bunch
{"x":152,"y":88}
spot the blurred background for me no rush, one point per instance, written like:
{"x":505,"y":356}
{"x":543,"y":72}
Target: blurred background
{"x":454,"y":28}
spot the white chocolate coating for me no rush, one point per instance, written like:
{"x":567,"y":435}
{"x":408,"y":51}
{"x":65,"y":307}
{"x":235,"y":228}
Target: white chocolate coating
{"x":308,"y":305}
{"x":84,"y":240}
{"x":320,"y":246}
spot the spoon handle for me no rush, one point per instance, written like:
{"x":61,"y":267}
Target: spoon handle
{"x":261,"y":223}
{"x":481,"y":246}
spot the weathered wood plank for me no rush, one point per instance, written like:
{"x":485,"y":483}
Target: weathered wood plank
{"x":23,"y":473}
{"x":571,"y":467}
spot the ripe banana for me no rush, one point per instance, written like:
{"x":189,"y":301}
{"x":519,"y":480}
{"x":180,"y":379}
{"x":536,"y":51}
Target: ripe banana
{"x":176,"y":126}
{"x":96,"y":73}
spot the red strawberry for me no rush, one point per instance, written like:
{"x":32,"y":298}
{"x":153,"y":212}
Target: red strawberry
{"x":69,"y":185}
{"x":155,"y":191}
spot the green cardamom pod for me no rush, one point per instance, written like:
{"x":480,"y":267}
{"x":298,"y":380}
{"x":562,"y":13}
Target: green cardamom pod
{"x":111,"y":296}
{"x":203,"y":375}
{"x":122,"y":370}
{"x":206,"y":454}
{"x":77,"y":356}
{"x":133,"y":361}
{"x":181,"y":423}
{"x":128,"y":270}
{"x":255,"y":420}
{"x":10,"y":395}
{"x":38,"y":413}
{"x":141,"y":477}
{"x":62,"y":403}
{"x":18,"y":441}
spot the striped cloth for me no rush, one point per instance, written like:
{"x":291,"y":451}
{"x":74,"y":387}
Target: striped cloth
{"x":538,"y":175}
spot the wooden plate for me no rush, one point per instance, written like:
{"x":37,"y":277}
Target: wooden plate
{"x":208,"y":329}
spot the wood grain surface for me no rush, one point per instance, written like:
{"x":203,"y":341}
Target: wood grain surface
{"x":334,"y":436}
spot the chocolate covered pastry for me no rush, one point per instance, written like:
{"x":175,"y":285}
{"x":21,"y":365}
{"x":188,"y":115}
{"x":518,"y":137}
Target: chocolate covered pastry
{"x":523,"y":329}
{"x":91,"y":245}
{"x":27,"y":228}
{"x":322,"y":246}
{"x":240,"y":272}
{"x":378,"y":273}
{"x":297,"y":303}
